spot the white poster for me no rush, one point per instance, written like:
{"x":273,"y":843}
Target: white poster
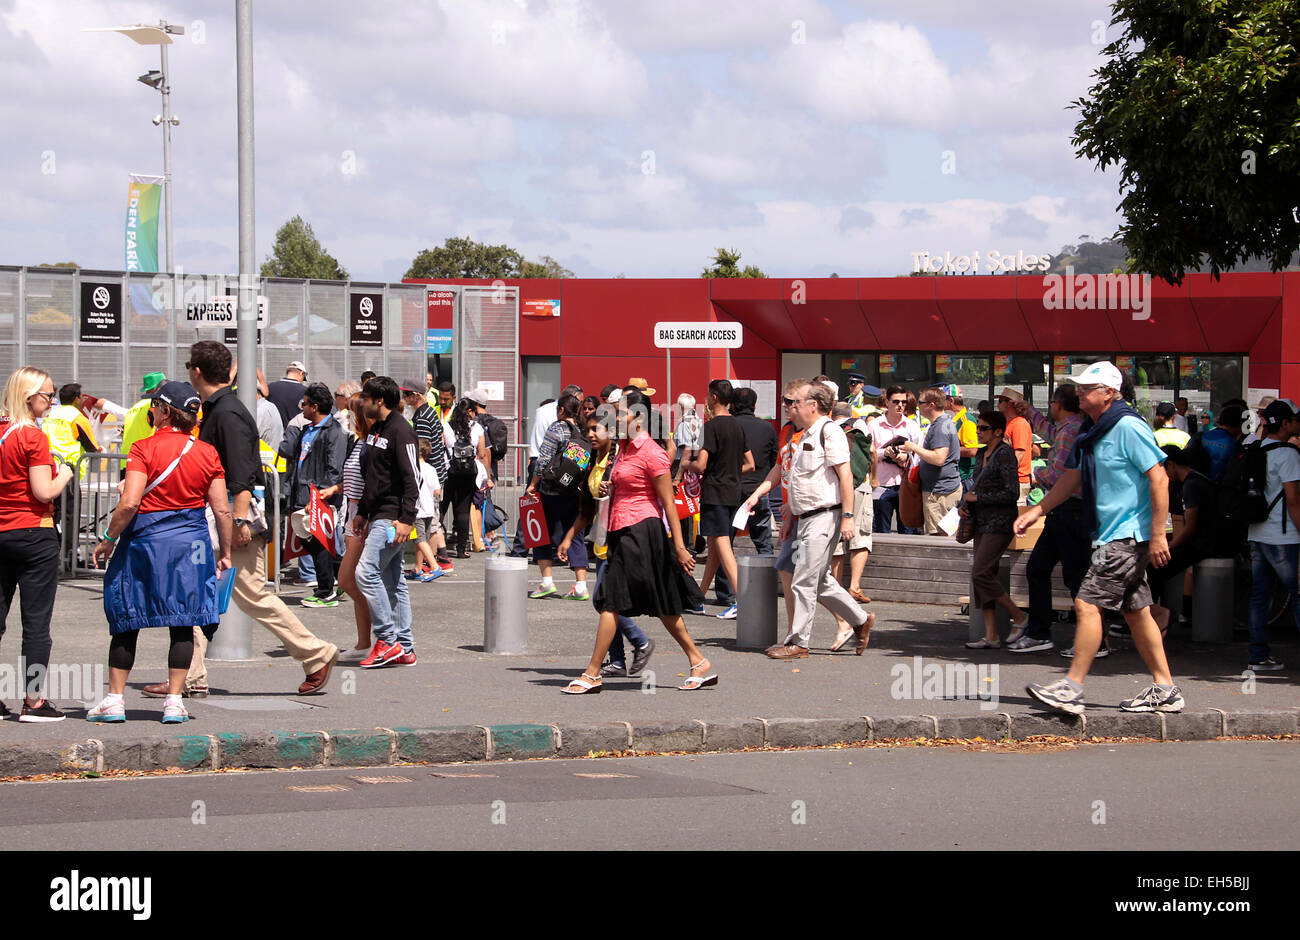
{"x":765,"y":407}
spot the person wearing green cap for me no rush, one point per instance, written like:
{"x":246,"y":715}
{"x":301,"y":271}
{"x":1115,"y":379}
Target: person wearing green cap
{"x":136,"y":427}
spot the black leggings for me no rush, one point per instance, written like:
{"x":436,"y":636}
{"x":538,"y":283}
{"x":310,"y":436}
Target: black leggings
{"x":121,"y":649}
{"x":458,"y":492}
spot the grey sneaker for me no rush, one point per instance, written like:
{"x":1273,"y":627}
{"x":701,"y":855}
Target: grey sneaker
{"x":1029,"y":644}
{"x":1058,"y":695}
{"x":1268,"y":664}
{"x":1152,"y":699}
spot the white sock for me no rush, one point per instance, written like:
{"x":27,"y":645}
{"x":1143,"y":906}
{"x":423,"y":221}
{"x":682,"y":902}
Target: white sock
{"x":548,"y":582}
{"x":171,"y":700}
{"x":113,"y":699}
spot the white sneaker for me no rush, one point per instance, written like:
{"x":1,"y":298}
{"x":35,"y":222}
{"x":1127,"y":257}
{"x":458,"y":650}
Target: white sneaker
{"x":1102,"y":652}
{"x":729,"y":614}
{"x":107,"y":711}
{"x":174,"y":713}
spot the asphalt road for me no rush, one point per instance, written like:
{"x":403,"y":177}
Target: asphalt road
{"x":1146,"y":797}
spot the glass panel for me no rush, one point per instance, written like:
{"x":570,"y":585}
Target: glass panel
{"x":913,"y":371}
{"x":1028,"y":373}
{"x":837,"y":365}
{"x":1207,"y":382}
{"x":1153,"y":380}
{"x":969,"y":373}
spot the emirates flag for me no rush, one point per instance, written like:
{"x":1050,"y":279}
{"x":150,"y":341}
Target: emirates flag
{"x":320,"y":519}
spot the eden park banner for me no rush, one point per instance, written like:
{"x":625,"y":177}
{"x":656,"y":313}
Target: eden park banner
{"x":143,"y":197}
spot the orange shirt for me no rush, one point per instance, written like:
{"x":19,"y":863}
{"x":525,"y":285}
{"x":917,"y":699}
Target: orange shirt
{"x":1021,"y":438}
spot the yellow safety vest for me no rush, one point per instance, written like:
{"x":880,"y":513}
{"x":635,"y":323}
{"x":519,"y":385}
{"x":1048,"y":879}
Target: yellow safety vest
{"x":1171,"y":435}
{"x":69,"y":434}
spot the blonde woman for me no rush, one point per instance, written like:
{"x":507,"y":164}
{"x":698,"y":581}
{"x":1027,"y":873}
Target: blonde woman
{"x":30,"y":480}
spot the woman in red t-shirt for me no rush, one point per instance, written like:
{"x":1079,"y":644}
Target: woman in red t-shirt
{"x":164,"y":571}
{"x":30,"y":479}
{"x":645,"y":573}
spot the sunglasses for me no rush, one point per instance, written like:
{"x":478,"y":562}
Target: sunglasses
{"x":48,"y":396}
{"x":898,"y":401}
{"x":790,"y":402}
{"x":983,"y":427}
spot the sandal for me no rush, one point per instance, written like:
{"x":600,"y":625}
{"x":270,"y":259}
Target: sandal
{"x":694,"y":682}
{"x":841,"y":642}
{"x":983,"y":644}
{"x":587,"y":685}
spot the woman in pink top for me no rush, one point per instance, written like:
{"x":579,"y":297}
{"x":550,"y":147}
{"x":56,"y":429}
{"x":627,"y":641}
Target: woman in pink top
{"x":644,"y":576}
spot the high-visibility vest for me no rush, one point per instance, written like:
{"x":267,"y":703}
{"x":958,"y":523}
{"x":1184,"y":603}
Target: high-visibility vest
{"x":136,"y":426}
{"x":68,"y":431}
{"x":1171,"y":435}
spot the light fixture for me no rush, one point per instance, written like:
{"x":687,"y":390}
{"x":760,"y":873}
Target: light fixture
{"x":153,"y":78}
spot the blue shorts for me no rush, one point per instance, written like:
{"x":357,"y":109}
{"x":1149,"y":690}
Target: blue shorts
{"x":716,"y":520}
{"x":785,"y":555}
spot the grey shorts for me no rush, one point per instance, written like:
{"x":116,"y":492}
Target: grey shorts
{"x":1117,"y":576}
{"x":426,"y":527}
{"x":785,"y":554}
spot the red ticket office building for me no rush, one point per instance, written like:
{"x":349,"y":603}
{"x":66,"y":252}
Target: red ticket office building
{"x":1207,"y":340}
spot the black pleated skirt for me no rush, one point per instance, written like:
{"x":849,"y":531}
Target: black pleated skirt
{"x":643,"y":578}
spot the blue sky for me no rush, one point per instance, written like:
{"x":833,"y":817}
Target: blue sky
{"x":615,"y":137}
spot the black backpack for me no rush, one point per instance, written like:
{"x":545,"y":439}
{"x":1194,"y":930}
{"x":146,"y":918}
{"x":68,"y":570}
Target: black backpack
{"x":463,"y":455}
{"x":1242,"y":497}
{"x":497,"y":434}
{"x":568,"y":468}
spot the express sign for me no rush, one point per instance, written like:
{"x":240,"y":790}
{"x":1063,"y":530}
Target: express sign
{"x":696,"y":335}
{"x":221,"y":311}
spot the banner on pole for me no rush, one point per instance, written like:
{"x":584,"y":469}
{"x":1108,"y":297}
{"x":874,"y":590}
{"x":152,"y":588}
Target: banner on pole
{"x":143,"y":195}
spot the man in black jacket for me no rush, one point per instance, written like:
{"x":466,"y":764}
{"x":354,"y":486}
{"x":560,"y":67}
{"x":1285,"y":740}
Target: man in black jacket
{"x":229,"y":428}
{"x":760,"y":439}
{"x":315,"y":453}
{"x":385,"y":517}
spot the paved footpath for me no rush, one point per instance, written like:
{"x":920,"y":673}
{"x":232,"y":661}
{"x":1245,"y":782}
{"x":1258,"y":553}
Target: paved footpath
{"x":460,"y":703}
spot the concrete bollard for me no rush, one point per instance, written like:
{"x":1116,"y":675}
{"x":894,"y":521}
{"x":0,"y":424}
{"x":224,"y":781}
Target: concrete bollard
{"x":756,"y":607}
{"x":1212,"y":601}
{"x":1003,"y":621}
{"x":505,"y":600}
{"x":233,"y":641}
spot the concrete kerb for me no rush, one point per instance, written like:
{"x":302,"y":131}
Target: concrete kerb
{"x":390,"y":746}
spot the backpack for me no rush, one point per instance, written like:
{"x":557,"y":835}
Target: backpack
{"x":568,"y":466}
{"x":1242,"y":497}
{"x":497,"y":434}
{"x":463,"y":458}
{"x":860,"y":448}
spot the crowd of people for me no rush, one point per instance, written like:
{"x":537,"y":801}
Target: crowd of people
{"x":630,"y":497}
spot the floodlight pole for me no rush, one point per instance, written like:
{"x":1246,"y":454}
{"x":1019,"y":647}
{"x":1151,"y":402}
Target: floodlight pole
{"x":247,"y":326}
{"x":167,"y":151}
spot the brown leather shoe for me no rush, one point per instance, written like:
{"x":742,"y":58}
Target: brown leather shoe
{"x":863,"y":633}
{"x":315,"y":683}
{"x":788,"y":652}
{"x":160,"y":690}
{"x":772,"y":649}
{"x":857,"y":595}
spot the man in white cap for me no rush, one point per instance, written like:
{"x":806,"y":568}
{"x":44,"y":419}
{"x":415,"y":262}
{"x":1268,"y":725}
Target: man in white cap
{"x":287,"y":392}
{"x":1125,"y":515}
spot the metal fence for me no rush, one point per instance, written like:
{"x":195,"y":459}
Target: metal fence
{"x":142,"y":328}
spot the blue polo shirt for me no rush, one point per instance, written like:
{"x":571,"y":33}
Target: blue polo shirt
{"x":1123,"y":493}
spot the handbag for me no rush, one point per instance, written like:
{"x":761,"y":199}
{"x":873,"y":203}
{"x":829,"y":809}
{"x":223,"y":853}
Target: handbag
{"x":965,"y":526}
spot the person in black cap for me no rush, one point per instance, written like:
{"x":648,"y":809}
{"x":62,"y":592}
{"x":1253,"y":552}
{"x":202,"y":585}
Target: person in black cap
{"x":1166,"y":434}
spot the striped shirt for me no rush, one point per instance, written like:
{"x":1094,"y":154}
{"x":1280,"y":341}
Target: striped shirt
{"x":428,"y":427}
{"x":1062,"y":435}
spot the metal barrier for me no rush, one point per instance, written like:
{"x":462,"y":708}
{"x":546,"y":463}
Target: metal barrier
{"x":94,"y":498}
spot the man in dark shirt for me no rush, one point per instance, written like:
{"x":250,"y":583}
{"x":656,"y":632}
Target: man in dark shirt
{"x":286,"y":393}
{"x":722,"y":459}
{"x":229,"y":428}
{"x":315,"y":453}
{"x":760,"y":439}
{"x":385,"y":517}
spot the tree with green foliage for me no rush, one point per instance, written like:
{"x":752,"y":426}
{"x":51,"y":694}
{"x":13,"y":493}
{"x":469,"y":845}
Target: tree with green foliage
{"x":464,"y":257}
{"x":546,"y":267}
{"x":297,"y":253}
{"x":60,"y":264}
{"x":726,"y":263}
{"x":1199,"y":106}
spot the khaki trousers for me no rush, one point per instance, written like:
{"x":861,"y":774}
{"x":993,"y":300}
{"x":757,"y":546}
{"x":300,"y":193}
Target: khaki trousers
{"x":267,"y":609}
{"x":935,"y":508}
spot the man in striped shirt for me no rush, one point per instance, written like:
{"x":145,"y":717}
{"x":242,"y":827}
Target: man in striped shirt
{"x":428,"y":427}
{"x":1064,"y":538}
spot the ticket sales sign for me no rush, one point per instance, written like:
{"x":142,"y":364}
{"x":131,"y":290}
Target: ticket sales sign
{"x":697,"y":335}
{"x":221,"y":311}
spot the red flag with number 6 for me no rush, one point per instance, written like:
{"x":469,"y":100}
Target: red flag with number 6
{"x":533,"y":521}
